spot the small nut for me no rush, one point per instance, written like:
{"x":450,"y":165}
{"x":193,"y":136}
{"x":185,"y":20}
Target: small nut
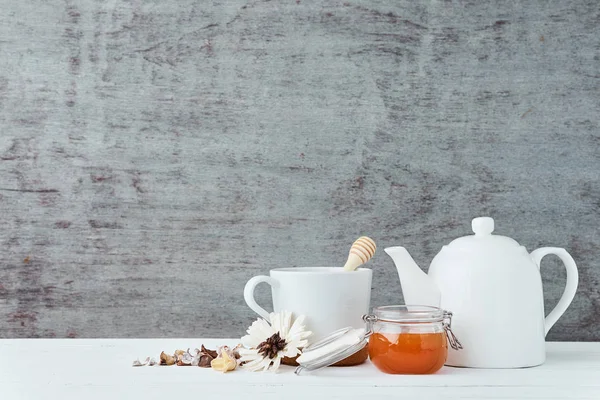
{"x":179,"y":355}
{"x":205,"y":361}
{"x":224,"y":363}
{"x":212,"y":353}
{"x":148,"y":361}
{"x":166,"y":359}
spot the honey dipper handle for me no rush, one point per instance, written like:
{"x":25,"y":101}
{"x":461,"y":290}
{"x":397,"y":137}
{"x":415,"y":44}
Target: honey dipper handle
{"x":362,"y":250}
{"x":353,"y":262}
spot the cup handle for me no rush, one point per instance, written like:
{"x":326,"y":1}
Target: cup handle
{"x":249,"y":293}
{"x":571,"y":286}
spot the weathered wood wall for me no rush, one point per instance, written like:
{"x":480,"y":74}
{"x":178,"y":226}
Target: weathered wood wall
{"x":154,"y":155}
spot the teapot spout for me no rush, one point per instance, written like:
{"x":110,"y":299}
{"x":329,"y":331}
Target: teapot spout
{"x":417,"y":287}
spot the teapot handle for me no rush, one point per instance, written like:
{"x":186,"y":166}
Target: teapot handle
{"x":571,"y":286}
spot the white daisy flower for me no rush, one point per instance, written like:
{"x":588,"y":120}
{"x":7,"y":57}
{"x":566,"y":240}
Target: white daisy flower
{"x":266,"y":344}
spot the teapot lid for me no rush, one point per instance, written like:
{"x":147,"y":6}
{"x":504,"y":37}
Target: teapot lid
{"x":482,"y":229}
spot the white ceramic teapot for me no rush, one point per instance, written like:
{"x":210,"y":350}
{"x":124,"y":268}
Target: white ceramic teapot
{"x":493,"y":287}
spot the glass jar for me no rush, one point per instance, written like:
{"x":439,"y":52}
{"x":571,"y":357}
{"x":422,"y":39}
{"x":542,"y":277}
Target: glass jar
{"x":401,"y":340}
{"x":409,"y":339}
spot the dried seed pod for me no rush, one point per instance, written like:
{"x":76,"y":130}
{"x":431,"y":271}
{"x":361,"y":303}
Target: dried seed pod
{"x":148,"y":361}
{"x":236,"y":351}
{"x":202,"y":357}
{"x":221,"y":349}
{"x":224,"y":363}
{"x":205,"y":360}
{"x":166,"y":359}
{"x":137,"y":363}
{"x":186,"y":359}
{"x":196,"y":360}
{"x":178,"y":355}
{"x":212,"y":353}
{"x":233,"y":353}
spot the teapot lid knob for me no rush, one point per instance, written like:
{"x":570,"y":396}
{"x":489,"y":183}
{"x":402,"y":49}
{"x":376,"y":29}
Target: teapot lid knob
{"x":482,"y":226}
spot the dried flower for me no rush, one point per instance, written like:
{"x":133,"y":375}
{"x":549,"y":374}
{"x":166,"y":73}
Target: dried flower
{"x":197,"y":357}
{"x":271,"y":346}
{"x":224,"y":362}
{"x":185,"y":358}
{"x":205,"y":360}
{"x":233,"y":353}
{"x":211,"y":353}
{"x":166,"y":359}
{"x":178,"y":354}
{"x":206,"y":356}
{"x":236,"y":350}
{"x":148,"y":361}
{"x":266,"y":344}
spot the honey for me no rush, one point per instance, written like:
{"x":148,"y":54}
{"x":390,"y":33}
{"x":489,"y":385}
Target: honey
{"x":399,"y":339}
{"x":408,"y":353}
{"x":410,"y":339}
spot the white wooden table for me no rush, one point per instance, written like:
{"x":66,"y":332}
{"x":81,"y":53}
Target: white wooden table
{"x":101,"y":369}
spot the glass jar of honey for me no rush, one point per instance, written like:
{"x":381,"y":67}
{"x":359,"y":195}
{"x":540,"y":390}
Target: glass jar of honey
{"x":409,"y":339}
{"x":400,"y":340}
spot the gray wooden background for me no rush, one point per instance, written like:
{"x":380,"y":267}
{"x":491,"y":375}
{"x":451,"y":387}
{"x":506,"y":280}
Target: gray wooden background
{"x":154,"y":155}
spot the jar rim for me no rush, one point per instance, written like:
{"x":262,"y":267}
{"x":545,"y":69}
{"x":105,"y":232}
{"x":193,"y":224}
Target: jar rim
{"x":409,"y":313}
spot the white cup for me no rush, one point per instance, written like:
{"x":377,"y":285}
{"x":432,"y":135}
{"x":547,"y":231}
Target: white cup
{"x":329,"y":297}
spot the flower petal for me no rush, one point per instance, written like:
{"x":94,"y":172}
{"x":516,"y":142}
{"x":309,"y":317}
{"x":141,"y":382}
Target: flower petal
{"x":260,"y":328}
{"x":276,"y":363}
{"x":275,"y":322}
{"x":257,"y":364}
{"x":299,"y":336}
{"x":290,"y":351}
{"x":251,"y":357}
{"x":254,"y":362}
{"x":250,"y":341}
{"x":265,"y":364}
{"x":298,"y":326}
{"x":286,"y":324}
{"x":300,"y":343}
{"x":257,"y":333}
{"x":244,"y":352}
{"x":293,"y":334}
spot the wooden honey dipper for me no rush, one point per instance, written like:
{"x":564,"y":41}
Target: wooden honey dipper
{"x":362,"y":250}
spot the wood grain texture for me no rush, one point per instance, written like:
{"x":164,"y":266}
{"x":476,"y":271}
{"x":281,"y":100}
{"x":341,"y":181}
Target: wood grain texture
{"x":570,"y":372}
{"x":154,"y":155}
